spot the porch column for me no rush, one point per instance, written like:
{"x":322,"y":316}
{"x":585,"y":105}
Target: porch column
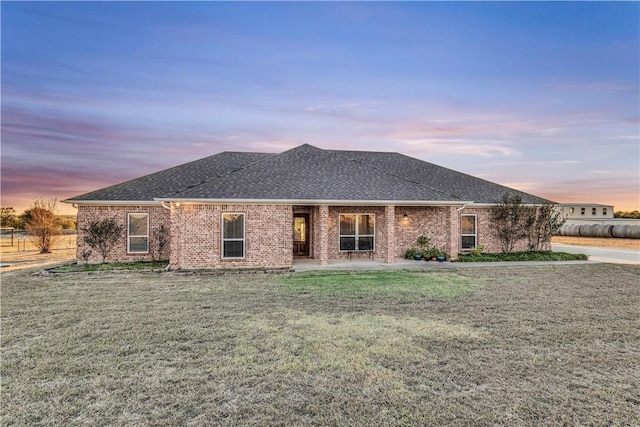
{"x":390,"y":225}
{"x":453,"y":241}
{"x":323,"y":235}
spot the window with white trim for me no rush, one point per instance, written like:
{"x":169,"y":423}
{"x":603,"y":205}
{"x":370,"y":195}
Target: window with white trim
{"x":138,"y":233}
{"x":604,"y":211}
{"x":357,"y":232}
{"x":593,"y":211}
{"x":233,"y":235}
{"x":469,"y":231}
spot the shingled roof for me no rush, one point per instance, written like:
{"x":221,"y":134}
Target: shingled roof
{"x":305,"y":174}
{"x":148,"y":187}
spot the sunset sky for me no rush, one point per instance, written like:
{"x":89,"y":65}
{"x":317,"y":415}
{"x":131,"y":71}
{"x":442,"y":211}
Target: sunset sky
{"x":542,"y":97}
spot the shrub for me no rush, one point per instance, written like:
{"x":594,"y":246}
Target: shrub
{"x":101,"y":235}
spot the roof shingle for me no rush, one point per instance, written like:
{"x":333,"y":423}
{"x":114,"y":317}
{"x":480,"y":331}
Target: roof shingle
{"x":308,"y":173}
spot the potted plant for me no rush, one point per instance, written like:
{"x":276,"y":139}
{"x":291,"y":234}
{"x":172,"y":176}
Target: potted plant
{"x":441,"y":255}
{"x":413,"y":253}
{"x":424,"y":244}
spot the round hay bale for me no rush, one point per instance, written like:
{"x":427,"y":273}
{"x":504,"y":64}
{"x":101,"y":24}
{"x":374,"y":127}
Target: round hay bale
{"x":603,"y":230}
{"x":633,"y":232}
{"x":572,"y":230}
{"x":588,"y":230}
{"x":562,"y":230}
{"x":619,"y":231}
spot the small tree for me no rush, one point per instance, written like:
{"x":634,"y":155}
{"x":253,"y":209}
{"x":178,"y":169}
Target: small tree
{"x":509,"y":220}
{"x":541,"y":223}
{"x":159,"y":242}
{"x":101,"y":235}
{"x":7,"y":217}
{"x":42,"y":224}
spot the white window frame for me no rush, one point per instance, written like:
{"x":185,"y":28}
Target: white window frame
{"x":129,"y":235}
{"x":604,"y":211}
{"x":357,"y":235}
{"x":235,"y":239}
{"x":474,"y":235}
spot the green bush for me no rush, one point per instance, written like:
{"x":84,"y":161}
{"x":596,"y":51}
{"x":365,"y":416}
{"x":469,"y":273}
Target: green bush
{"x":522,"y":256}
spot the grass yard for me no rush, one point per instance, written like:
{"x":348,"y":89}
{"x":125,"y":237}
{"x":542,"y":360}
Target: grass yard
{"x":522,"y":345}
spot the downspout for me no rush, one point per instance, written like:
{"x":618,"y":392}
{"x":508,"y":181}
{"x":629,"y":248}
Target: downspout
{"x":461,"y":207}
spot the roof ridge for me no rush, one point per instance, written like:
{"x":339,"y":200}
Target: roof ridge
{"x":391,"y":173}
{"x":271,"y":155}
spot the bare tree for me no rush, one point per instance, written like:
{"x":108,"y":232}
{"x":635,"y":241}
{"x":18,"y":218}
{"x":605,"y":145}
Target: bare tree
{"x":541,"y":223}
{"x":102,"y":235}
{"x":159,"y":242}
{"x":509,"y":221}
{"x":42,"y":224}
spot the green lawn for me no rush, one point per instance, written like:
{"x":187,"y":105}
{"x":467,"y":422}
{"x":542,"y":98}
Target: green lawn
{"x":534,"y":345}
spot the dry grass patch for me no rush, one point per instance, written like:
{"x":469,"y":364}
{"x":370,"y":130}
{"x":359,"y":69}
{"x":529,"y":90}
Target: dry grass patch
{"x":602,"y":242}
{"x":534,"y":345}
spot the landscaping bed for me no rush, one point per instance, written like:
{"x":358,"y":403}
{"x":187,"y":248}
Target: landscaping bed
{"x":522,"y":256}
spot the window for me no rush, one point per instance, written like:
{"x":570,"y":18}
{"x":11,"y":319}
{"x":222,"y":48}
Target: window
{"x":138,"y":233}
{"x":604,"y":211}
{"x":582,"y":211}
{"x":357,"y":232}
{"x":468,"y":231}
{"x":572,"y":211}
{"x":233,"y":235}
{"x":593,"y":211}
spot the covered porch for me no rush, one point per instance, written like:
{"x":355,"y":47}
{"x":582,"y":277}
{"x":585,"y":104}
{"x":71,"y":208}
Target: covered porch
{"x":333,"y":234}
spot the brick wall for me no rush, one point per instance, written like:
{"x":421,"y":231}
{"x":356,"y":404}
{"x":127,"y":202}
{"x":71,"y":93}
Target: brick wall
{"x":195,"y":239}
{"x":197,"y":231}
{"x":158,"y":216}
{"x":433,"y":222}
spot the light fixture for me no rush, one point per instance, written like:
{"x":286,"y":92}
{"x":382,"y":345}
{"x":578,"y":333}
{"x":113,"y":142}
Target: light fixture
{"x":405,"y":217}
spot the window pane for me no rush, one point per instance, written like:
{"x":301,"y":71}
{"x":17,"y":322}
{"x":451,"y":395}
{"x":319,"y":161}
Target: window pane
{"x":366,"y":224}
{"x":347,"y":243}
{"x":233,"y":249}
{"x":138,"y":244}
{"x":299,"y":229}
{"x":365,"y":244}
{"x":468,"y":224}
{"x":347,"y":225}
{"x":468,"y":242}
{"x":138,"y":224}
{"x":233,"y":226}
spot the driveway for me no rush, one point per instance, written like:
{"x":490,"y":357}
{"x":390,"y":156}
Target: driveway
{"x":615,"y":255}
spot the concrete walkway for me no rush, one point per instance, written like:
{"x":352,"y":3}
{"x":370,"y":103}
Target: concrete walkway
{"x":404,"y":264}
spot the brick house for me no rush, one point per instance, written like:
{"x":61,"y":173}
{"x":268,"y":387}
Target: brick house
{"x":237,"y":209}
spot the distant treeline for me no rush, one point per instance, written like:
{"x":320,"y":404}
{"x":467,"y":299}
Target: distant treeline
{"x":10,"y":218}
{"x":627,"y":214}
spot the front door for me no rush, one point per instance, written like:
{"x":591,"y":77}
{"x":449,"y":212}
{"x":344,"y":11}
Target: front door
{"x":301,"y":235}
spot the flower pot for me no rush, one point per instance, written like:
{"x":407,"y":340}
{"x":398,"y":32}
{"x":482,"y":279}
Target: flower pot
{"x":441,"y":258}
{"x":417,"y":257}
